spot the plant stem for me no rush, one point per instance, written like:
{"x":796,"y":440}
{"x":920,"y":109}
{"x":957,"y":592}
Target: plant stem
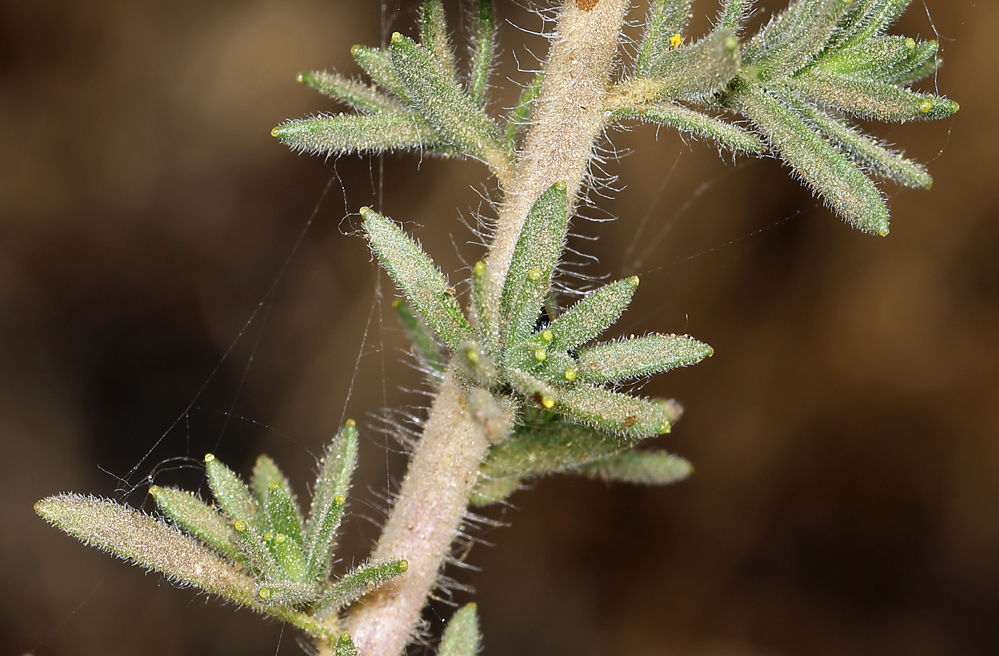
{"x":434,"y":495}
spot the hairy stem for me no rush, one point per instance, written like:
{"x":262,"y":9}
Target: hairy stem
{"x":423,"y":522}
{"x":434,"y":495}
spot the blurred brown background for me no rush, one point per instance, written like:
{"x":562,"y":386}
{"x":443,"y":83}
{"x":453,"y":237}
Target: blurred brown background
{"x":845,"y":435}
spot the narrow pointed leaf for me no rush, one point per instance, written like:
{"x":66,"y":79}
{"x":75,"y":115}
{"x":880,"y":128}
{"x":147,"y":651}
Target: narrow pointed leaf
{"x":356,"y":94}
{"x":459,"y":120}
{"x":328,"y":501}
{"x":434,"y":37}
{"x":640,"y":356}
{"x":529,"y":277}
{"x":421,"y":282}
{"x":592,"y":315}
{"x":544,"y":445}
{"x":197,"y":518}
{"x":461,"y":637}
{"x":265,"y":472}
{"x":347,"y":133}
{"x":232,"y":494}
{"x":680,"y":118}
{"x":378,"y":65}
{"x":486,"y":314}
{"x":254,"y":547}
{"x":640,"y":468}
{"x":867,"y":18}
{"x":358,"y":582}
{"x":885,"y":59}
{"x":873,"y":100}
{"x":611,"y":412}
{"x":847,"y":190}
{"x":134,"y":536}
{"x":421,"y":336}
{"x":866,"y":151}
{"x":667,"y":20}
{"x":483,"y":38}
{"x":282,"y":510}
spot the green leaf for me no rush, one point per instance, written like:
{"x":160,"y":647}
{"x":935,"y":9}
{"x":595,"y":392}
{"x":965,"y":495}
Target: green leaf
{"x":523,"y":112}
{"x":544,"y":444}
{"x":483,"y":37}
{"x":825,"y":169}
{"x":698,"y":71}
{"x":640,"y":468}
{"x":434,"y":37}
{"x":329,"y":499}
{"x":667,"y":19}
{"x":680,"y":118}
{"x":356,"y":94}
{"x":611,"y":412}
{"x":790,"y":41}
{"x":232,"y":494}
{"x":529,"y":277}
{"x":866,"y":151}
{"x":133,"y":536}
{"x":867,"y":18}
{"x":461,"y":637}
{"x":422,"y":337}
{"x":378,"y":65}
{"x":421,"y":282}
{"x":482,"y":291}
{"x":358,"y":582}
{"x":592,"y":315}
{"x":873,"y":100}
{"x":282,"y":510}
{"x":198,"y":519}
{"x":254,"y":546}
{"x":459,"y":120}
{"x":886,"y":59}
{"x":346,"y":133}
{"x":640,"y":356}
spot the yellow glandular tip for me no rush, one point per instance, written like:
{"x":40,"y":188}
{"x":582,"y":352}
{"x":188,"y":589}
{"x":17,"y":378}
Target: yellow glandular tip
{"x":340,"y":499}
{"x":264,"y":593}
{"x":560,"y":185}
{"x":473,"y":356}
{"x":534,"y":274}
{"x":548,"y":402}
{"x":350,"y":423}
{"x":276,"y":132}
{"x":240,"y":526}
{"x":280,"y":538}
{"x":268,"y":536}
{"x":570,"y":374}
{"x":396,"y":37}
{"x":634,"y":280}
{"x":480,"y":268}
{"x":676,"y":40}
{"x":209,"y":457}
{"x":364,"y":210}
{"x":154,"y":490}
{"x":272,"y":485}
{"x":344,"y":636}
{"x":547,"y":335}
{"x":541,"y":355}
{"x":354,"y":50}
{"x":403,"y":565}
{"x":300,"y":77}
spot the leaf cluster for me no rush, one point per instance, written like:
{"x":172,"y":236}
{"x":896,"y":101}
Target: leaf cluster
{"x":797,"y":81}
{"x":574,"y":416}
{"x":254,"y":548}
{"x":415,"y":101}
